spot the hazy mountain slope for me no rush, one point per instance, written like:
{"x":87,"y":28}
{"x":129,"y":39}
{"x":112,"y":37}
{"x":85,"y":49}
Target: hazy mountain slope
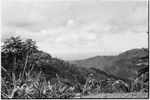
{"x":96,"y":62}
{"x":124,"y":64}
{"x":121,"y":65}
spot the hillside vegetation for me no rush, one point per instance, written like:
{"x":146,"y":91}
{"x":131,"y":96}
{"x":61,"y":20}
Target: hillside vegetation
{"x":121,"y":65}
{"x":99,"y":62}
{"x":30,"y":73}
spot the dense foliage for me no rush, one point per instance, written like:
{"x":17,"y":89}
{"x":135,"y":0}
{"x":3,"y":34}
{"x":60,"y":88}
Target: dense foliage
{"x":30,"y":73}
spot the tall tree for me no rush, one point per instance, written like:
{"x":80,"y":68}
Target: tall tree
{"x":15,"y":54}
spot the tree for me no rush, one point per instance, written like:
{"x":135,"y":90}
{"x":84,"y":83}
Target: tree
{"x":15,"y":53}
{"x":10,"y":52}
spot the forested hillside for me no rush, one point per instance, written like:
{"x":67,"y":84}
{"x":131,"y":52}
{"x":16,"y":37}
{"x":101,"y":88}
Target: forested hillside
{"x":30,"y":73}
{"x":99,"y":62}
{"x":121,"y":65}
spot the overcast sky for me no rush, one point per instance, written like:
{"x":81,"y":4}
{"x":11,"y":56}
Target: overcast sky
{"x":78,"y":29}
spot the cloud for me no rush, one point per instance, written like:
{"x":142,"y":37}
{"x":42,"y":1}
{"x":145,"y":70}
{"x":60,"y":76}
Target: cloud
{"x":63,"y":28}
{"x":123,"y":42}
{"x":131,"y":21}
{"x":33,"y":16}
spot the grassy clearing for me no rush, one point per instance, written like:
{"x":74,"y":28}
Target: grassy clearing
{"x":118,"y":95}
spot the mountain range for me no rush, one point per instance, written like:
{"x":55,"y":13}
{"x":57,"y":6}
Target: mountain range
{"x":121,"y":65}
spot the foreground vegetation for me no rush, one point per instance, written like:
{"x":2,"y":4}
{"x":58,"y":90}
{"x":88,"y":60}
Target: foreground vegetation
{"x":30,"y":73}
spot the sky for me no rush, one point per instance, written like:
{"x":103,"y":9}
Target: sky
{"x":73,"y":30}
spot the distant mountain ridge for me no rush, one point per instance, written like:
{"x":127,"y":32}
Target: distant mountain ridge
{"x":121,"y":64}
{"x":96,"y":62}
